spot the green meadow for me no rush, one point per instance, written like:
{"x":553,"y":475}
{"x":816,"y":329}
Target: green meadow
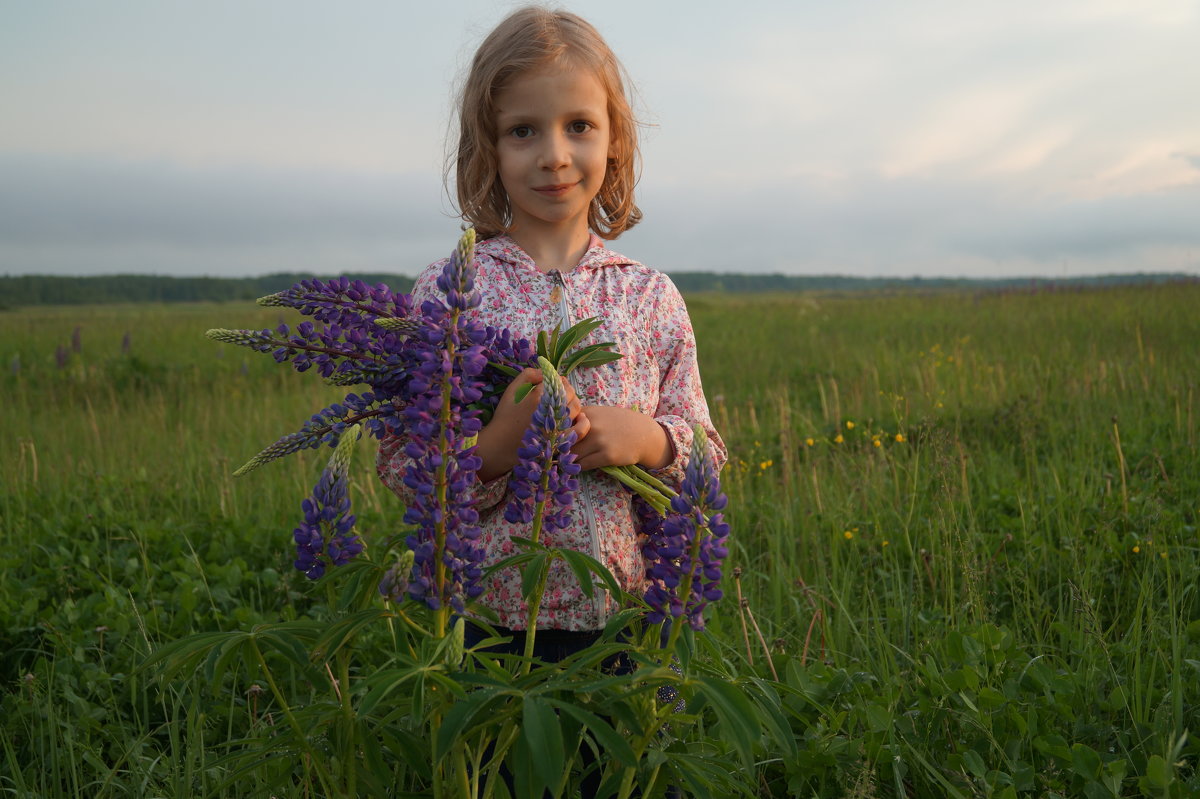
{"x":964,"y":552}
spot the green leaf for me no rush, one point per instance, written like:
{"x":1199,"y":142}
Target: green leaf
{"x":974,"y":763}
{"x":1159,"y":774}
{"x":771,"y":714}
{"x":582,"y":564}
{"x":736,"y":714}
{"x":594,"y":355}
{"x":541,"y":731}
{"x":458,"y":718}
{"x":601,"y":730}
{"x":572,"y":336}
{"x":344,"y":630}
{"x":383,"y":683}
{"x":533,"y":573}
{"x":1086,"y":761}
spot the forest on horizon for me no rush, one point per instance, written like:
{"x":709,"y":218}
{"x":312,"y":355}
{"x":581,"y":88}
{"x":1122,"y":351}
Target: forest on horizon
{"x":29,"y":290}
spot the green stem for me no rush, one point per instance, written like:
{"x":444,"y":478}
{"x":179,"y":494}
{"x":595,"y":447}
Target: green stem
{"x":349,"y":757}
{"x":505,"y":739}
{"x":322,"y":774}
{"x":642,"y":489}
{"x":441,"y":489}
{"x":535,"y":601}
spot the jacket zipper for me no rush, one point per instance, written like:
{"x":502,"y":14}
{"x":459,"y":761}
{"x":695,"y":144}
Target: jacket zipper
{"x":599,"y":604}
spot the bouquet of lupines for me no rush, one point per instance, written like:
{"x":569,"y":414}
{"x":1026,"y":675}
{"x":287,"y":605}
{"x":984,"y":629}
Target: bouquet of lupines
{"x":435,"y":376}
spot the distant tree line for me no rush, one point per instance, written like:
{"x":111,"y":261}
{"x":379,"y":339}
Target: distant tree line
{"x":106,"y":289}
{"x":28,"y":290}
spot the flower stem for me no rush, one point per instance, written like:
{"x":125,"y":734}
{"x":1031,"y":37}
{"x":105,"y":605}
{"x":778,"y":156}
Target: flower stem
{"x":322,"y":775}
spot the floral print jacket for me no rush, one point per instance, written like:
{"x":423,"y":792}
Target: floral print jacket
{"x":644,"y":314}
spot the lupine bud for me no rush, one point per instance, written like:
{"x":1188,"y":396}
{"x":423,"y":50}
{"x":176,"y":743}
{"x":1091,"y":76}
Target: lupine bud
{"x":454,"y":652}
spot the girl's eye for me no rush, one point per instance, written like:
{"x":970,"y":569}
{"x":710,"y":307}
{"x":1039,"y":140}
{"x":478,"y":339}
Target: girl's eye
{"x":521,"y":132}
{"x":579,"y":126}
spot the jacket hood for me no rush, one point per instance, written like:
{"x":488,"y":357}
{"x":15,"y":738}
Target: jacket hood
{"x":503,"y":248}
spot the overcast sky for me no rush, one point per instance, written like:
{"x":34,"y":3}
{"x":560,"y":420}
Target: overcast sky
{"x":930,"y":137}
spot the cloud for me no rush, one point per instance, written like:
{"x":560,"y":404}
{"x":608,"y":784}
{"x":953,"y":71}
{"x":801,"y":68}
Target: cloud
{"x":89,"y":215}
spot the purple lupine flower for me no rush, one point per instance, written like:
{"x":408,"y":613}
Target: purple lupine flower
{"x":326,"y":536}
{"x":683,"y":558}
{"x":546,"y":467}
{"x":448,"y":355}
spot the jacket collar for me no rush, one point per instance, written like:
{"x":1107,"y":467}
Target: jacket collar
{"x":504,"y":248}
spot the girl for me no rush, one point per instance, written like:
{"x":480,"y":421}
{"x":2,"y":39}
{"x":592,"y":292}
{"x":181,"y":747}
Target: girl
{"x":546,"y":162}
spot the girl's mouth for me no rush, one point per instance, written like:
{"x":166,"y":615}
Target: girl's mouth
{"x":554,"y":190}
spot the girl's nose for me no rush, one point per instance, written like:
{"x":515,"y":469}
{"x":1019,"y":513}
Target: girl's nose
{"x":555,"y":154}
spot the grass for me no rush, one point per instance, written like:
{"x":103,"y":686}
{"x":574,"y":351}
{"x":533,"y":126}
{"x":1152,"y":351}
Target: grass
{"x":966,"y":528}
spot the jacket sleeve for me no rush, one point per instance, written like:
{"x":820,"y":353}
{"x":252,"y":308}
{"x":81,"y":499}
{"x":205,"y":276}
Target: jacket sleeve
{"x":391,"y":461}
{"x":681,"y":402}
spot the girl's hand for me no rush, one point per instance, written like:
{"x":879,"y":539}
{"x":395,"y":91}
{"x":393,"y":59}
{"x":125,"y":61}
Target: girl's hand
{"x":500,"y":438}
{"x":620,"y":437}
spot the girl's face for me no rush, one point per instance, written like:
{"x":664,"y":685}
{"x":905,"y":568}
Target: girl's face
{"x":553,"y":144}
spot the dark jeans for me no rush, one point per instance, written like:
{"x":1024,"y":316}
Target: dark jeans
{"x":553,"y":646}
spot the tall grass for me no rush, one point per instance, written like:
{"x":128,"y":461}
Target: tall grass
{"x":966,"y":527}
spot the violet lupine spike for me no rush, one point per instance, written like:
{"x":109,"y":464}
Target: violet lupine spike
{"x":448,"y":355}
{"x":327,"y":426}
{"x":546,"y":471}
{"x":341,"y":301}
{"x":683,"y":558}
{"x":326,"y":536}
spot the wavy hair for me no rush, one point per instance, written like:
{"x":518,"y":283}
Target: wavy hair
{"x":530,"y":38}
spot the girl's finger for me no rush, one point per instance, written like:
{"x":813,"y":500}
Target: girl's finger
{"x":582,"y":427}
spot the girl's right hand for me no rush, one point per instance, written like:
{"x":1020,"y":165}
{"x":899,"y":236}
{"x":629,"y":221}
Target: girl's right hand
{"x":500,"y":438}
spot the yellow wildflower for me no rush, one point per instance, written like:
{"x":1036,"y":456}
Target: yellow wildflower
{"x":1136,"y":549}
{"x":899,"y":438}
{"x":877,"y":442}
{"x":838,"y":439}
{"x":884,"y":543}
{"x":849,"y":425}
{"x":808,"y":442}
{"x":848,"y":535}
{"x":764,"y":465}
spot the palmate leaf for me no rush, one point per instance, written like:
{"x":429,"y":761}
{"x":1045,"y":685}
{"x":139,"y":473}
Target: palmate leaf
{"x":555,"y":345}
{"x":569,"y":338}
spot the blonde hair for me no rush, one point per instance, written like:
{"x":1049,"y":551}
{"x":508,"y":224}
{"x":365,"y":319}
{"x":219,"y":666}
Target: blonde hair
{"x":529,"y":38}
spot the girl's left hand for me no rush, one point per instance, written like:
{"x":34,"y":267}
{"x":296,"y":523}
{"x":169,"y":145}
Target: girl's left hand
{"x":620,"y":437}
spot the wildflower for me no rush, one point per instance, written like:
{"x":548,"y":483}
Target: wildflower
{"x":876,"y":442}
{"x":448,"y":353}
{"x":808,"y":442}
{"x":684,"y":556}
{"x":838,"y":439}
{"x":884,"y":543}
{"x":546,"y":467}
{"x":1136,"y":549}
{"x":849,"y":534}
{"x":764,"y":465}
{"x":849,"y":425}
{"x":326,"y":536}
{"x":899,"y":438}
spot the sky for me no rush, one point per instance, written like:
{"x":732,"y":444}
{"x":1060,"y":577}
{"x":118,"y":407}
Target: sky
{"x":1043,"y":138}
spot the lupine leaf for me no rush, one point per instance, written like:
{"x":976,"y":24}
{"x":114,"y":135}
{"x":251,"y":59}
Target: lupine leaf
{"x":736,"y":714}
{"x":572,"y":336}
{"x":458,"y":718}
{"x":541,"y":731}
{"x":582,"y":563}
{"x":601,"y":730}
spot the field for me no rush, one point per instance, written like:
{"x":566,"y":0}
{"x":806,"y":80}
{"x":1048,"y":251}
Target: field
{"x":965,"y":524}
